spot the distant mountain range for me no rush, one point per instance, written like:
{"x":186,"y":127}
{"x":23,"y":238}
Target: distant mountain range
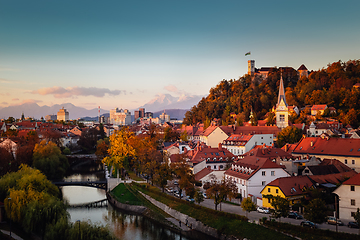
{"x":35,"y":111}
{"x":176,"y":107}
{"x":166,"y":101}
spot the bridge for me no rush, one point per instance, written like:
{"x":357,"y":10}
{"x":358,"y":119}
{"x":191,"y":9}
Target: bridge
{"x":102,"y":184}
{"x":96,"y":204}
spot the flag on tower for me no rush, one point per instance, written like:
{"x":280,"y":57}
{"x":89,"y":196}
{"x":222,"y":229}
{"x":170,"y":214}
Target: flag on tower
{"x":248,"y":53}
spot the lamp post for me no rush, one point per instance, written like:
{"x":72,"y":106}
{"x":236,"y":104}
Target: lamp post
{"x":9,"y":199}
{"x":79,"y":229}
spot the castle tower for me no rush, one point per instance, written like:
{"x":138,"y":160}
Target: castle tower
{"x":282,"y":111}
{"x":251,"y":67}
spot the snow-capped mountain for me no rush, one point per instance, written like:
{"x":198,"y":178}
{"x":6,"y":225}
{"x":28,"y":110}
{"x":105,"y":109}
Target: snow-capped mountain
{"x":166,"y":101}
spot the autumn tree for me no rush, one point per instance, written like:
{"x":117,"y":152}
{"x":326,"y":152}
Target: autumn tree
{"x":198,"y":196}
{"x":88,"y":139}
{"x":47,"y":158}
{"x":120,"y":150}
{"x":171,"y":135}
{"x":102,"y":147}
{"x":221,"y":190}
{"x":248,"y":206}
{"x":162,"y":175}
{"x":186,"y":178}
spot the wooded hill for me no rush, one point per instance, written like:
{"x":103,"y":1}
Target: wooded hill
{"x":333,"y":86}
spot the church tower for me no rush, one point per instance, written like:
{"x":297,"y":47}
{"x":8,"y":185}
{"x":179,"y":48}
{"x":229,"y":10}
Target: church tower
{"x":251,"y":67}
{"x":282,"y":111}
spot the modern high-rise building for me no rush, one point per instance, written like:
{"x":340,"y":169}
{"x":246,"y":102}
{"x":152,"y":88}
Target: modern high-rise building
{"x":50,"y":117}
{"x":120,"y":117}
{"x":63,"y":115}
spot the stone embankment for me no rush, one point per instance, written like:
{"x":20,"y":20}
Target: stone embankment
{"x":192,"y":223}
{"x":123,"y":206}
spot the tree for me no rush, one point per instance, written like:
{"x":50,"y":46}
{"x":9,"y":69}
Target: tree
{"x":47,"y":158}
{"x":357,"y":218}
{"x":102,"y":147}
{"x":162,"y":175}
{"x":199,"y":196}
{"x":88,"y":139}
{"x":290,"y":134}
{"x":248,"y":206}
{"x":271,"y":119}
{"x":280,"y":206}
{"x":316,"y":210}
{"x":171,"y":135}
{"x":186,"y":179}
{"x":120,"y":150}
{"x":221,"y":190}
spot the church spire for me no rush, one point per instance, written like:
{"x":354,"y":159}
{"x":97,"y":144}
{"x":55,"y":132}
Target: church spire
{"x":281,"y":92}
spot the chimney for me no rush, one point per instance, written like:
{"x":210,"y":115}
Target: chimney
{"x":220,"y":146}
{"x":312,"y":143}
{"x":286,"y":147}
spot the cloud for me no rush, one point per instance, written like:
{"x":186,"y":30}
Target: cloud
{"x":171,"y":88}
{"x":29,"y":101}
{"x":15,"y":99}
{"x":4,"y":103}
{"x":2,"y":80}
{"x":60,"y":92}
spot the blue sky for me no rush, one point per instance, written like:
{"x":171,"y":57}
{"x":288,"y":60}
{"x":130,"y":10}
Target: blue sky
{"x":123,"y":53}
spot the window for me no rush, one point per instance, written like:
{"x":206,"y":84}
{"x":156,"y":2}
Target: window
{"x":272,"y":173}
{"x":268,"y":200}
{"x":221,"y":166}
{"x":282,"y":118}
{"x":277,"y":190}
{"x":214,"y":166}
{"x":353,"y":161}
{"x":269,"y":189}
{"x":306,"y":171}
{"x":352,"y":202}
{"x":263,"y":183}
{"x":345,"y":161}
{"x":263,"y":173}
{"x":352,"y":188}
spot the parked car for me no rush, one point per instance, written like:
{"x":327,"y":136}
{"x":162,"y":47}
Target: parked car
{"x":177,"y":194}
{"x":176,"y":182}
{"x":308,"y":224}
{"x":333,"y":220}
{"x":295,"y":215}
{"x":204,"y":194}
{"x":189,"y":199}
{"x":262,"y":210}
{"x":169,"y":189}
{"x":353,"y":225}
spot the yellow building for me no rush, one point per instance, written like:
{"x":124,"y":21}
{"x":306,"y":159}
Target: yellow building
{"x":291,"y":188}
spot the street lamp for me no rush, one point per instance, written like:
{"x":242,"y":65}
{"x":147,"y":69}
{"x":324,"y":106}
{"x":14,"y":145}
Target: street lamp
{"x":9,"y":199}
{"x":79,"y":228}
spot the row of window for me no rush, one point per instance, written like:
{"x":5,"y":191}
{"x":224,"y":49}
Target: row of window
{"x":276,"y":190}
{"x":352,"y":161}
{"x":263,"y":173}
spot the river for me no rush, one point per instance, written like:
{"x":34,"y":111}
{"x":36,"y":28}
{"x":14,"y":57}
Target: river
{"x":123,"y":225}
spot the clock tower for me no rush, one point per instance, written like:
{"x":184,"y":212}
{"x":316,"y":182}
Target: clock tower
{"x":282,"y":111}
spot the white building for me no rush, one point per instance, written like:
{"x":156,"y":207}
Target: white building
{"x":239,"y":144}
{"x":349,"y":198}
{"x":120,"y":117}
{"x":251,"y":174}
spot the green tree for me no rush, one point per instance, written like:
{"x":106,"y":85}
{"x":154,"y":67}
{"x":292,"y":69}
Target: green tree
{"x":47,"y":158}
{"x":199,"y":196}
{"x":248,"y":206}
{"x":162,"y":175}
{"x":357,"y":218}
{"x":280,"y":206}
{"x":290,"y":134}
{"x":316,"y":210}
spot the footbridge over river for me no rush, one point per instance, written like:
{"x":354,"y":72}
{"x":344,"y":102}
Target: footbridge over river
{"x":102,"y":184}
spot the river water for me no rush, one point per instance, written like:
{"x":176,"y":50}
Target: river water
{"x":124,"y":226}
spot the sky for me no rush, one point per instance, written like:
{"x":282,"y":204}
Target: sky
{"x":116,"y":53}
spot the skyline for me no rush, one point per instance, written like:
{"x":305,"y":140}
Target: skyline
{"x":122,"y":54}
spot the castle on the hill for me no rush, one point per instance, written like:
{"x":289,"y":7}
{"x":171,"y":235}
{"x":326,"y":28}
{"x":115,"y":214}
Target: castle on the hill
{"x":264,"y":71}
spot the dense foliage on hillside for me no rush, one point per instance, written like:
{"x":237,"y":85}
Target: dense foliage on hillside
{"x":332,"y":86}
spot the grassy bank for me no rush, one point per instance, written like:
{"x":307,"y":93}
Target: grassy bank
{"x":226,"y":223}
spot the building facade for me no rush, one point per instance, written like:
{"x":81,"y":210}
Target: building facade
{"x":63,"y":115}
{"x":120,"y":117}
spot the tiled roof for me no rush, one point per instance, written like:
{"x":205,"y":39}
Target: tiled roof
{"x":323,"y":170}
{"x":332,"y":178}
{"x":319,"y":107}
{"x":248,"y":166}
{"x":202,"y":173}
{"x":355,"y":180}
{"x":336,"y":163}
{"x":292,"y":186}
{"x":268,"y":152}
{"x":208,"y":130}
{"x":302,"y":67}
{"x":210,"y":154}
{"x":328,"y":146}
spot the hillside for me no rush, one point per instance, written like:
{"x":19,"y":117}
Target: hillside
{"x":333,"y":85}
